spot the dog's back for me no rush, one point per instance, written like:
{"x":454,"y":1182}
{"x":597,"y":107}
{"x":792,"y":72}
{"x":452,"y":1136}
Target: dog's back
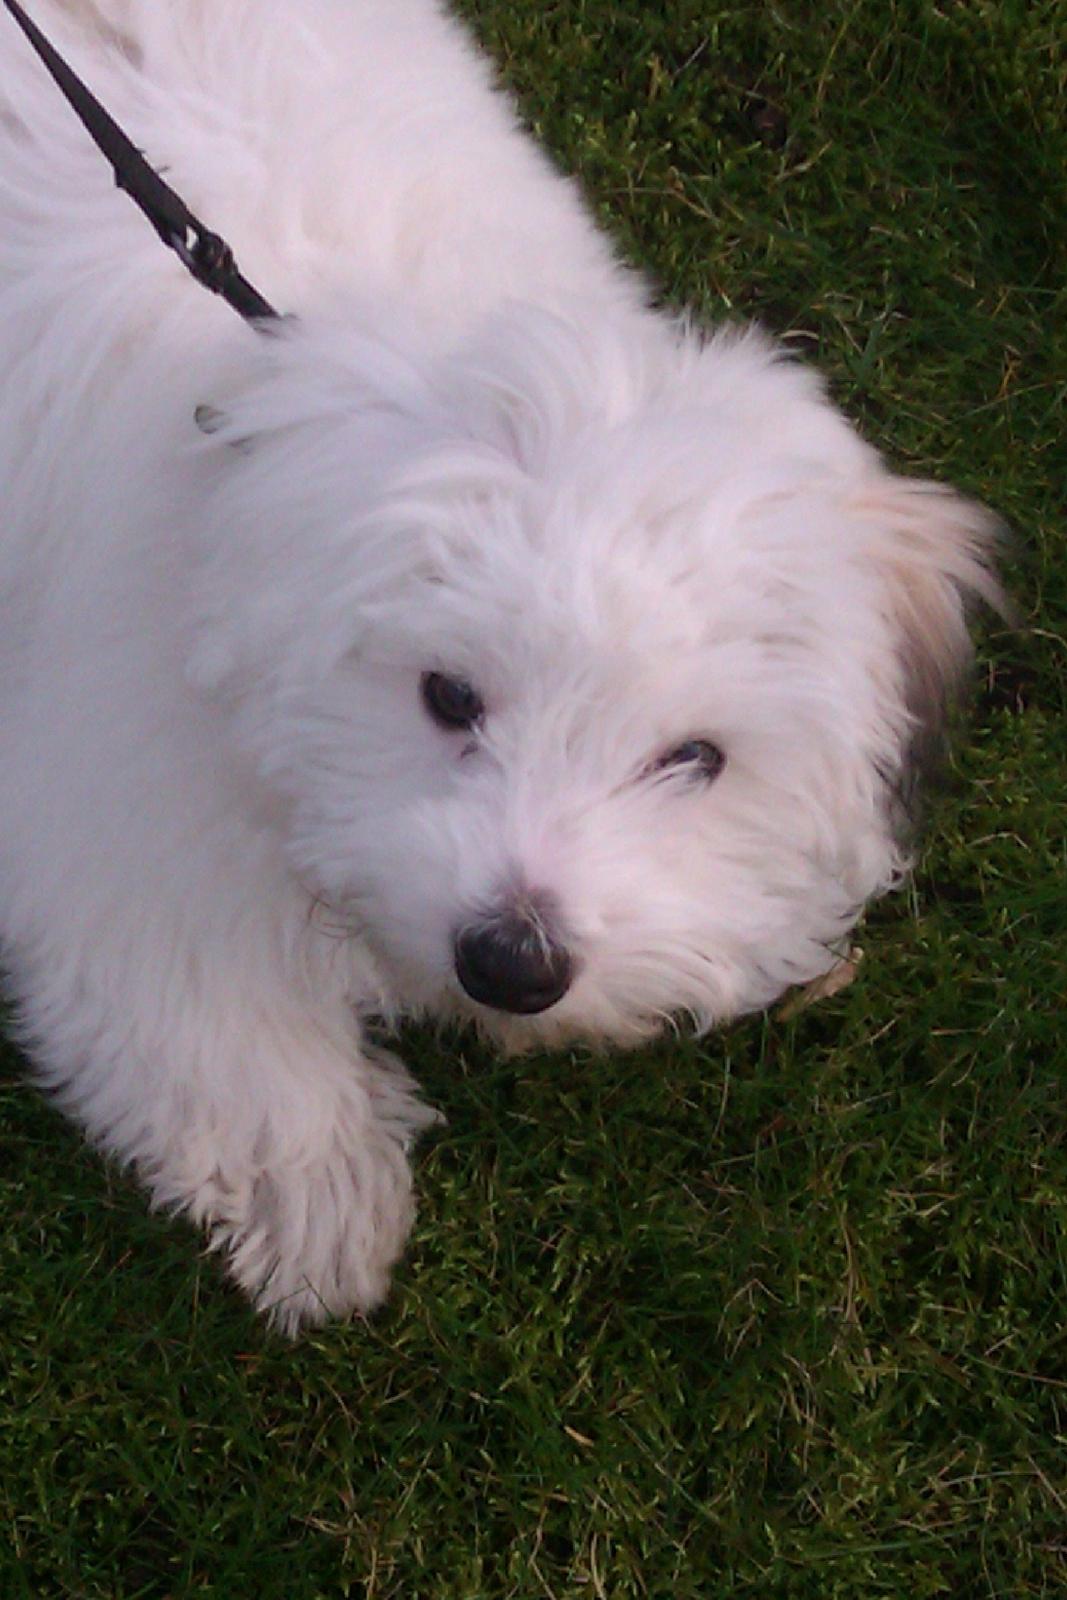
{"x":346,"y":149}
{"x":339,"y":145}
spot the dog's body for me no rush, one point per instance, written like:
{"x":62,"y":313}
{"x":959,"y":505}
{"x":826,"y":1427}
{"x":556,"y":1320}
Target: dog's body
{"x":699,"y":626}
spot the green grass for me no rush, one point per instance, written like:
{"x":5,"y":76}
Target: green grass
{"x":776,"y":1316}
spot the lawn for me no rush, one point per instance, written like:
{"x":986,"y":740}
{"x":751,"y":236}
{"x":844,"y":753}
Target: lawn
{"x":775,"y":1315}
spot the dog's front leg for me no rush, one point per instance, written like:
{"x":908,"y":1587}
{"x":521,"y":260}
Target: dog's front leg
{"x":261,"y":1115}
{"x":310,"y":1195}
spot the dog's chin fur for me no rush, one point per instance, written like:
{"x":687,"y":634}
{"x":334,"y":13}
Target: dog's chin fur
{"x":228,"y":825}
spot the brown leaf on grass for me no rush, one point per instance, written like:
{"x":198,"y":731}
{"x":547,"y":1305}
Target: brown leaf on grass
{"x":839,"y":977}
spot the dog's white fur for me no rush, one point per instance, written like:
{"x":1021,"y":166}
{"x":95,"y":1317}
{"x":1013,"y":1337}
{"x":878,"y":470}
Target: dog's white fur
{"x":228,"y":826}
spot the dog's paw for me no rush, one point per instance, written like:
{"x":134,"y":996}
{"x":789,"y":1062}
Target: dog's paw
{"x":317,"y":1238}
{"x":312,"y":1225}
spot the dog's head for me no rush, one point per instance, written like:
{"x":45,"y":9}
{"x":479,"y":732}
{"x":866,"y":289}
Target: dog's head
{"x":591,"y":672}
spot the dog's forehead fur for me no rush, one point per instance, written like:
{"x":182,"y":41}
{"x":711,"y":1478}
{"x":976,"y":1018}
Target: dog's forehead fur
{"x":634,"y":496}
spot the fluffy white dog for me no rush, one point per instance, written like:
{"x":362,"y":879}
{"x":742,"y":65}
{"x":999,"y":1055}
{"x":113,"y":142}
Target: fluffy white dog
{"x":571,"y":664}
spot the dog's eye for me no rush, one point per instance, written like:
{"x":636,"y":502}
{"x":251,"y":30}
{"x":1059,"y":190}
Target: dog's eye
{"x":705,"y":759}
{"x":451,"y":702}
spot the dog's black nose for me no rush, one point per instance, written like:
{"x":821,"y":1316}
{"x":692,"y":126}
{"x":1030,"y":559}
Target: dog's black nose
{"x":513,"y":964}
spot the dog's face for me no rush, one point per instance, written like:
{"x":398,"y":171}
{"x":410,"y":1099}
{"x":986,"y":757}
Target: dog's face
{"x":590,"y":679}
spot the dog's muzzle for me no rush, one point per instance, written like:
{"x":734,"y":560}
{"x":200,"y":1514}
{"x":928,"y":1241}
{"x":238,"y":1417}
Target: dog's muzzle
{"x":511,"y":962}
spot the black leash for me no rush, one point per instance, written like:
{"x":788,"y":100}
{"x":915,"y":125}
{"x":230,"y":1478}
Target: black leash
{"x":207,"y":256}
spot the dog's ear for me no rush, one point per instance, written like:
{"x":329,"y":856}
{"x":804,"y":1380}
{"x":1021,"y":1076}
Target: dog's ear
{"x":934,"y":554}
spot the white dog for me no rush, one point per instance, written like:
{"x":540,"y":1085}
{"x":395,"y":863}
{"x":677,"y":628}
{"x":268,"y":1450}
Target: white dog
{"x":571,"y":664}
